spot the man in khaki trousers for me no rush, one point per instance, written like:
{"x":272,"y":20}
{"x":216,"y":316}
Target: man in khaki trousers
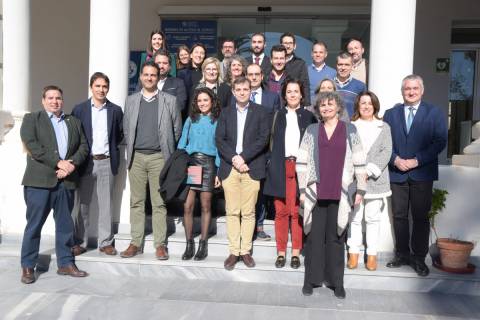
{"x":241,"y":137}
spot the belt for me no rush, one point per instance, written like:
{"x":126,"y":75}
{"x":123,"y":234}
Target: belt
{"x":291,"y":158}
{"x":100,"y":156}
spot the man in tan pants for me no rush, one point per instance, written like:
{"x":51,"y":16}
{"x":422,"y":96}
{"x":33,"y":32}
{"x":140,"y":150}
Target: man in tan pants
{"x":241,"y":137}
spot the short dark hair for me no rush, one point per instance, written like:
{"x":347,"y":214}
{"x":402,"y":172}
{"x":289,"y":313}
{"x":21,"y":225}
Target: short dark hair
{"x":152,"y":64}
{"x":240,"y":80}
{"x":99,"y":75}
{"x":375,"y":104}
{"x":195,"y":111}
{"x":161,"y":52}
{"x":344,"y":55}
{"x":278,"y":48}
{"x":288,"y":34}
{"x":229,"y":40}
{"x":198,"y":44}
{"x":261,"y":34}
{"x":51,"y":87}
{"x":289,"y":80}
{"x":320,"y":43}
{"x":353,"y":39}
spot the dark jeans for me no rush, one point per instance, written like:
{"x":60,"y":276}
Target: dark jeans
{"x":260,"y":207}
{"x":39,"y":203}
{"x":414,"y":197}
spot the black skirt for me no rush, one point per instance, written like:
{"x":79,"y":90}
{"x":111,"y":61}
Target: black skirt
{"x":209,"y":171}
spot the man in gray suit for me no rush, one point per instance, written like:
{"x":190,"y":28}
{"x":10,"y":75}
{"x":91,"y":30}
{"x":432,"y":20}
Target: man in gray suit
{"x":152,"y":126}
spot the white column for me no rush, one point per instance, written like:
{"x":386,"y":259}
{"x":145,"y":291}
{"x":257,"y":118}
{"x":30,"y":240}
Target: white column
{"x":392,"y":37}
{"x":16,"y":102}
{"x":109,"y":53}
{"x":16,"y":56}
{"x":109,"y":44}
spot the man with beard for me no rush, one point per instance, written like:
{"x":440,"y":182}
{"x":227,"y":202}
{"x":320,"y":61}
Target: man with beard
{"x":359,"y":70}
{"x":228,"y":50}
{"x":258,"y":53}
{"x":295,"y":66}
{"x":171,"y":85}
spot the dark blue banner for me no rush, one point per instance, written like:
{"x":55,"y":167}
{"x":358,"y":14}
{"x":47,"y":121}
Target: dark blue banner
{"x":188,"y":32}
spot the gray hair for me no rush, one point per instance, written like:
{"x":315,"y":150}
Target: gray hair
{"x":243,"y":62}
{"x":412,"y":77}
{"x":322,"y":96}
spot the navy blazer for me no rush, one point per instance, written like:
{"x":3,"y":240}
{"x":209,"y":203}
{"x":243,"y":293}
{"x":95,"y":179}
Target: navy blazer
{"x":255,"y":137}
{"x":176,"y":87}
{"x":83,"y":111}
{"x":426,"y":139}
{"x":270,"y":100}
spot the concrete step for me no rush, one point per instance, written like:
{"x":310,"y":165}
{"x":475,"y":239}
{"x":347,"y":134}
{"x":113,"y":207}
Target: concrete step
{"x":146,"y":266}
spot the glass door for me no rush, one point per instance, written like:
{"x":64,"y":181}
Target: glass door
{"x":463,"y":108}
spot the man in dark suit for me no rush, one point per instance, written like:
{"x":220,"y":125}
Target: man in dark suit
{"x":295,"y":66}
{"x":419,"y":134}
{"x":241,"y":147}
{"x":55,"y":148}
{"x":258,"y":56}
{"x":171,"y":85}
{"x":102,"y":124}
{"x":271,"y":102}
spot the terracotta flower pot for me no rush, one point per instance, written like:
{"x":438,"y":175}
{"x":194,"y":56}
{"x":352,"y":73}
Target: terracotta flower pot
{"x":454,"y":253}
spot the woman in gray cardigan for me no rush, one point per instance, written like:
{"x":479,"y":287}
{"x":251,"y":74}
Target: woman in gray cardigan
{"x":377,"y":144}
{"x":331,"y":177}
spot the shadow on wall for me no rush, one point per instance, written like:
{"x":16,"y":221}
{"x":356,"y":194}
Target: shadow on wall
{"x":6,"y":124}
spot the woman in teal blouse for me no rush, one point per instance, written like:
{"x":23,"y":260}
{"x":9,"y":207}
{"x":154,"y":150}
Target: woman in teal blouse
{"x":198,"y":140}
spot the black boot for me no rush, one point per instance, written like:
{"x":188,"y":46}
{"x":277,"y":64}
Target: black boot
{"x":202,"y":252}
{"x":189,"y":250}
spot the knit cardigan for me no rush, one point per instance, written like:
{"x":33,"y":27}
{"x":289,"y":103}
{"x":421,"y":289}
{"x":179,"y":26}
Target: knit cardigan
{"x":308,"y":173}
{"x":378,"y":183}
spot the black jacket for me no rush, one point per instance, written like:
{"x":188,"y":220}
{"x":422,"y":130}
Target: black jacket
{"x":275,"y":181}
{"x":173,"y":177}
{"x":255,"y":136}
{"x":297,"y":68}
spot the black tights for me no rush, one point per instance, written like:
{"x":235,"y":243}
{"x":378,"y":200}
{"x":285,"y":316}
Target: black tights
{"x":189,"y":206}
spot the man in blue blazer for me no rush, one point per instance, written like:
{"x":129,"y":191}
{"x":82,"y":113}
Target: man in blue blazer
{"x":271,"y":102}
{"x":102,"y":124}
{"x":241,"y":136}
{"x":419,"y":134}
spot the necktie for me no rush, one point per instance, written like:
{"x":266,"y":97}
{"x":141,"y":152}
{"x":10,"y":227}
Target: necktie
{"x":409,"y":118}
{"x":252,"y":96}
{"x":257,"y":60}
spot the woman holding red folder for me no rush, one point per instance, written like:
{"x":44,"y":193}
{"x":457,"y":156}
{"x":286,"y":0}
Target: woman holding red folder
{"x":198,"y":140}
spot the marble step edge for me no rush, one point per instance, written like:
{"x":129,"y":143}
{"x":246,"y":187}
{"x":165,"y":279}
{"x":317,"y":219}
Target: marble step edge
{"x":262,"y":264}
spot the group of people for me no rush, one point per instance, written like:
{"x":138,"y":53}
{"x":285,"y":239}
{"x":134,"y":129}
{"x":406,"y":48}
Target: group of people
{"x":269,"y":130}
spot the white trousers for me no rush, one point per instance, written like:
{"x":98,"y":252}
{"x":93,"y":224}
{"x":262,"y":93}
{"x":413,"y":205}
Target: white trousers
{"x":372,"y":209}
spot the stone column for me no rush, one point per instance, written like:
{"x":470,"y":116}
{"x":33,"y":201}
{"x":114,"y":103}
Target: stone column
{"x":16,"y":102}
{"x":392,"y":37}
{"x":109,"y":53}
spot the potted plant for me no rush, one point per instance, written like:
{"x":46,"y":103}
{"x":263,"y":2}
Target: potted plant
{"x":454,"y":253}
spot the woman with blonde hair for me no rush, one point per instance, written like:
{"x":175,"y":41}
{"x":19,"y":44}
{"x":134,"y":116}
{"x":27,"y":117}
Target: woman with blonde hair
{"x":212,"y":79}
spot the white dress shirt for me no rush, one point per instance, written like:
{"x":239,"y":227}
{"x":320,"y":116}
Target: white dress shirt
{"x":292,"y":134}
{"x":99,"y":130}
{"x":261,"y":58}
{"x":258,"y":95}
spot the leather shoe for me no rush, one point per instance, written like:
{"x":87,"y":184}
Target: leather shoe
{"x":352,"y":261}
{"x":339,"y":292}
{"x":161,"y":253}
{"x":397,"y":262}
{"x":28,"y":275}
{"x":295,"y":262}
{"x":371,"y":263}
{"x":280,"y":262}
{"x":307,"y":289}
{"x":78,"y":250}
{"x":109,"y":250}
{"x":248,"y":260}
{"x":420,"y":268}
{"x":71,"y":270}
{"x":131,"y":251}
{"x":230,"y":262}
